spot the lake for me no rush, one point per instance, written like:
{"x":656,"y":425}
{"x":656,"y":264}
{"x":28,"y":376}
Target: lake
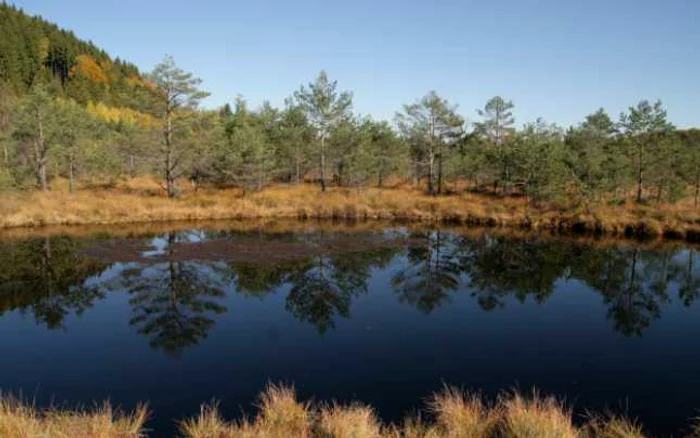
{"x":384,"y":315}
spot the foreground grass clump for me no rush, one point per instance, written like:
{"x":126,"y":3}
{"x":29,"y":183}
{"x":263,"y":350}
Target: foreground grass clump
{"x":142,"y":201}
{"x":615,"y":427}
{"x":460,"y":415}
{"x":280,"y":415}
{"x":452,"y":413}
{"x":535,"y":417}
{"x":20,"y":420}
{"x":455,"y":414}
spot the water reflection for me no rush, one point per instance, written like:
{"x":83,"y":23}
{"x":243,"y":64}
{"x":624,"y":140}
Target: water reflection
{"x":178,"y":287}
{"x":431,"y":271}
{"x":47,"y":277}
{"x":174,"y":303}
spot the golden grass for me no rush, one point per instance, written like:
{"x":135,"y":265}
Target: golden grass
{"x":20,"y":420}
{"x":454,"y":413}
{"x":461,"y":415}
{"x":354,"y":421}
{"x":142,"y":201}
{"x":279,"y":415}
{"x":613,"y":427}
{"x":536,"y":417}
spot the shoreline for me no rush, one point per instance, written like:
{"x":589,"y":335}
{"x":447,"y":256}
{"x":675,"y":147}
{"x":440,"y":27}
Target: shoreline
{"x":450,"y":413}
{"x":124,"y":206}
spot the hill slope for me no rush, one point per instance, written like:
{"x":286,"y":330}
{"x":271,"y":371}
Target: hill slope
{"x":33,"y":49}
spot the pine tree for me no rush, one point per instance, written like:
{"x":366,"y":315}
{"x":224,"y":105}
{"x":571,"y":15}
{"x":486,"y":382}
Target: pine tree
{"x":325,"y":108}
{"x":497,"y":128}
{"x":643,"y":126}
{"x":178,"y":93}
{"x":432,"y":125}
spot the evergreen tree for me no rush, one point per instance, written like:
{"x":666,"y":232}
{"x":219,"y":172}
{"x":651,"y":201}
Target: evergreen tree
{"x":38,"y":127}
{"x":178,"y":94}
{"x":592,"y":159}
{"x":325,"y":108}
{"x":644,"y":126}
{"x":432,"y":126}
{"x":497,"y":128}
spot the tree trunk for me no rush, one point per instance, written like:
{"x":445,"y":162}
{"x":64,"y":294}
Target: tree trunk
{"x":5,"y":154}
{"x":697,"y":186}
{"x":439,"y":176}
{"x":70,"y":171}
{"x":323,"y":163}
{"x":43,"y":182}
{"x":40,"y":154}
{"x":431,"y":172}
{"x":169,"y":176}
{"x":297,"y":168}
{"x":640,"y":172}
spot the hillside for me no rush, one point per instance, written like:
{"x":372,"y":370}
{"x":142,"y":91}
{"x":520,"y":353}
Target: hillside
{"x":34,"y":50}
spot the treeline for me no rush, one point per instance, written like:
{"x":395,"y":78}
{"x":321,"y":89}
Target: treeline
{"x":96,"y":119}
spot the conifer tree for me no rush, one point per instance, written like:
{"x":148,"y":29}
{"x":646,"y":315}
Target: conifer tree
{"x":178,"y":94}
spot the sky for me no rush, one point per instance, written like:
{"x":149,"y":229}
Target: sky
{"x":555,"y":59}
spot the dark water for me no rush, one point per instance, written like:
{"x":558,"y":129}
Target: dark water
{"x":384,"y":317}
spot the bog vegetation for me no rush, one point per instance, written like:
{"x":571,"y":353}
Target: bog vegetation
{"x":451,"y":413}
{"x":69,"y":112}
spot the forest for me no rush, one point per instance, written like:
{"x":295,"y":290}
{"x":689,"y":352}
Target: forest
{"x":70,"y":113}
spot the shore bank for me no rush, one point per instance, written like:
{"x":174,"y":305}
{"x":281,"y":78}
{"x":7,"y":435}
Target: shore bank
{"x":451,"y":413}
{"x":126,"y":205}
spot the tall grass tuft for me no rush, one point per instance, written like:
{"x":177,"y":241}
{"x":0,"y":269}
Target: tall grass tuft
{"x":535,"y":417}
{"x":461,"y":415}
{"x":281,"y":413}
{"x":21,"y":420}
{"x":354,"y":421}
{"x":613,"y":427}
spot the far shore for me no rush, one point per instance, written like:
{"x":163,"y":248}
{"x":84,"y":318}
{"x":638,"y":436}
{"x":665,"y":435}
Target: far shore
{"x":144,"y":203}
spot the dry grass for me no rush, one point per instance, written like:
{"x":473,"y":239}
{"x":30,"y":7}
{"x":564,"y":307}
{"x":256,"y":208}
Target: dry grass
{"x":279,"y":415}
{"x":461,"y":415}
{"x":613,"y":427}
{"x":141,"y":200}
{"x":21,"y":420}
{"x":354,"y":421}
{"x":455,"y":414}
{"x":536,"y":417}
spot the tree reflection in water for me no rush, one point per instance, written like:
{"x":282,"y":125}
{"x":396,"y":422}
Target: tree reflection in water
{"x":431,"y":271}
{"x":47,"y":277}
{"x":175,"y":302}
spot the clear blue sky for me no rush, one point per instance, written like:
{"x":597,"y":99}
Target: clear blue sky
{"x":559,"y":59}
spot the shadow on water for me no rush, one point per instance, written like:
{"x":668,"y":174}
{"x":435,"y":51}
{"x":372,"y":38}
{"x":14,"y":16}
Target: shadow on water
{"x":178,"y":284}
